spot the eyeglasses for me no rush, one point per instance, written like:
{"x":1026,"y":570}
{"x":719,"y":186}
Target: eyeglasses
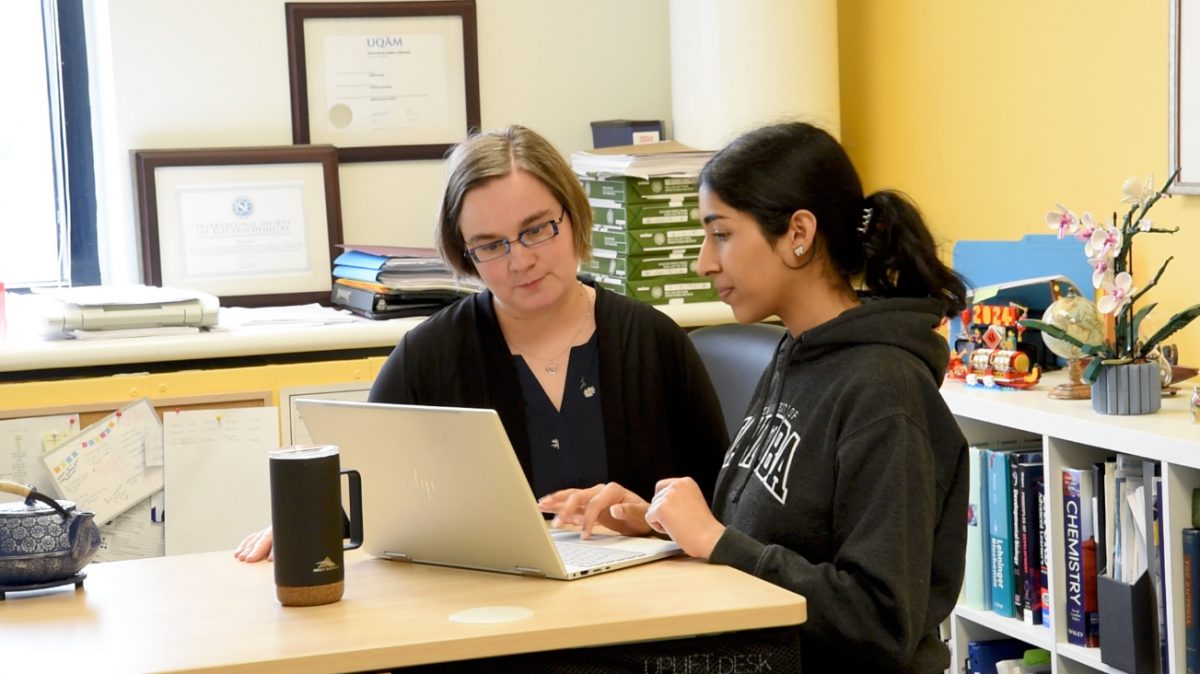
{"x":529,"y":237}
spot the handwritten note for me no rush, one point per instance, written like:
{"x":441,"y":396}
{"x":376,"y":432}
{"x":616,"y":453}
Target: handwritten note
{"x":22,"y":443}
{"x":217,"y":488}
{"x":103,"y":468}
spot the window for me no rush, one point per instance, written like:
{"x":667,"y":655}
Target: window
{"x":47,"y":227}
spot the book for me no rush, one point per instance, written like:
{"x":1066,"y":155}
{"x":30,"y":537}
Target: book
{"x":1108,"y":525}
{"x":410,"y":281}
{"x":1029,"y":582}
{"x":985,"y":535}
{"x":1020,"y":534}
{"x":377,"y":305}
{"x":982,"y":656}
{"x":391,"y":251}
{"x":364,"y":260}
{"x":1099,"y":513}
{"x":1082,"y":619}
{"x":1016,"y":507}
{"x":1191,"y":599}
{"x":1044,"y":575}
{"x":1000,"y":530}
{"x":973,"y":578}
{"x":1155,"y":480}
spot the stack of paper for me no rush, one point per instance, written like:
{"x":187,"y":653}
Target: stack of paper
{"x":646,"y":230}
{"x":302,"y":315}
{"x":667,"y":158}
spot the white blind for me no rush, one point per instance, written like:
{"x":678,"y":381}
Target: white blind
{"x":33,"y":239}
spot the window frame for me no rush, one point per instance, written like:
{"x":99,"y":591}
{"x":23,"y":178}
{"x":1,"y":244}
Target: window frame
{"x":76,"y":132}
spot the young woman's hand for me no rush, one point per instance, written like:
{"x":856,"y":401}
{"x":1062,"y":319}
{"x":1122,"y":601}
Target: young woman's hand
{"x":610,"y":505}
{"x":680,"y":511}
{"x":257,"y":546}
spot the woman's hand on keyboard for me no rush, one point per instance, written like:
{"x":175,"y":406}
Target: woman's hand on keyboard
{"x":609,"y":505}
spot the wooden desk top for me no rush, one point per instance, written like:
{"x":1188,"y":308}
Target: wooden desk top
{"x":208,"y":612}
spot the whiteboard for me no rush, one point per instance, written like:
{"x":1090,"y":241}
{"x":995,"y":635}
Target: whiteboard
{"x":216,"y":476}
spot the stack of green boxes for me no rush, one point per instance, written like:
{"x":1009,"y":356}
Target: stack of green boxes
{"x":646,"y":238}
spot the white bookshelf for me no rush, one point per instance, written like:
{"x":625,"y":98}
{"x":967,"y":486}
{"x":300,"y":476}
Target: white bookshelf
{"x":1073,"y":435}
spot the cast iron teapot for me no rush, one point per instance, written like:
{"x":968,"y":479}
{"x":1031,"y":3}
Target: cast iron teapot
{"x":41,"y":539}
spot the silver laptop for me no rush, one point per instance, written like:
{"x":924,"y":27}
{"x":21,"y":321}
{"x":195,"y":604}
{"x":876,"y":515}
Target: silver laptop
{"x":442,"y":485}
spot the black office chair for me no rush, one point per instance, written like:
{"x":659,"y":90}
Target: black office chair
{"x":735,"y":356}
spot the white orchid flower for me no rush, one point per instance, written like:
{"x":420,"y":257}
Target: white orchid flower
{"x":1105,"y":242}
{"x":1062,"y":220}
{"x":1102,"y":269}
{"x":1134,"y":192}
{"x":1117,"y":293}
{"x":1087,"y":227}
{"x":1145,"y":224}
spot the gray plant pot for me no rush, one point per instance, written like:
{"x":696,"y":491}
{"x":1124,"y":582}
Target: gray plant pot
{"x":1128,"y":389}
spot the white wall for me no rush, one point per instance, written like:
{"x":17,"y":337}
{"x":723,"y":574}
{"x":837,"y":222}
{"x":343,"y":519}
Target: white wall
{"x":740,"y":65}
{"x":215,"y":74}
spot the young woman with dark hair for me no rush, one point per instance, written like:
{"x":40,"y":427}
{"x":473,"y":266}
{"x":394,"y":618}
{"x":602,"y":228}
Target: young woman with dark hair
{"x":847,"y":482}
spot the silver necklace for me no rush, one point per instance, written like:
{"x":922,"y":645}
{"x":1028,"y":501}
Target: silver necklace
{"x":552,"y":366}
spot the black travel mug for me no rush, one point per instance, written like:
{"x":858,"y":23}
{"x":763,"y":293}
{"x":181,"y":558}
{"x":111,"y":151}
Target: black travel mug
{"x":306,"y":518}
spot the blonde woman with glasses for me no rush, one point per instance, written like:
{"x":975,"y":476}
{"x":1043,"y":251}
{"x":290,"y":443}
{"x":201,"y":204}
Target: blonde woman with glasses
{"x":592,"y":387}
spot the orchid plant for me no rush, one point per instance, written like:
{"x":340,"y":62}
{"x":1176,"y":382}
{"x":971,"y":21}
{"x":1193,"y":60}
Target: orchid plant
{"x":1109,"y":249}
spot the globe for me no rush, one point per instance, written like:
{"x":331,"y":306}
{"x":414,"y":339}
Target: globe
{"x":1078,"y":318}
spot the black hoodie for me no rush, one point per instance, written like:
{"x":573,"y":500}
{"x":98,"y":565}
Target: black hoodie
{"x":848,"y":484}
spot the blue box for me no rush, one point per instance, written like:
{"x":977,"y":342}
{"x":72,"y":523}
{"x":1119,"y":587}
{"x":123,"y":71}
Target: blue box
{"x":1022,"y":272}
{"x":610,"y":132}
{"x":986,"y":263}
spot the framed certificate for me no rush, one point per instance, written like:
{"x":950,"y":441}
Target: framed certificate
{"x":1184,"y":88}
{"x":383,"y":80}
{"x":256,"y":226}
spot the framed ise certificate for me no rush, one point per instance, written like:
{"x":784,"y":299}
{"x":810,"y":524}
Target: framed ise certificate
{"x":255,"y":226}
{"x":383,"y":80}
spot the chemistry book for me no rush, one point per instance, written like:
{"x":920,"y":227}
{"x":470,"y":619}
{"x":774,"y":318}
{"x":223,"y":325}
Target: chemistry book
{"x":1079,"y":548}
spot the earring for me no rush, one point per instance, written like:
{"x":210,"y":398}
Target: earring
{"x":799,"y":250}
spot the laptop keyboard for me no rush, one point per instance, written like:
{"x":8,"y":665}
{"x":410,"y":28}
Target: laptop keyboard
{"x":574,"y":554}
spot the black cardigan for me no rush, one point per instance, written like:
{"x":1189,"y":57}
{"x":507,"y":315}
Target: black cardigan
{"x":661,"y":415}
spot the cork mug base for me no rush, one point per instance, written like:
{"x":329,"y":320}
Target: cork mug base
{"x":314,"y":595}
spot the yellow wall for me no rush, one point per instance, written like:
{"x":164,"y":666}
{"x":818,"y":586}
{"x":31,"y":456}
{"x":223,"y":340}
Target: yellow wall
{"x":988,"y":113}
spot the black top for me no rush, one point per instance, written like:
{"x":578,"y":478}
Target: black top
{"x":567,"y":443}
{"x":661,"y":416}
{"x":849,"y":486}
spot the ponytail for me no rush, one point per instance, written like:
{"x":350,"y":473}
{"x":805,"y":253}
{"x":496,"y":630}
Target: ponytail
{"x":900,"y":255}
